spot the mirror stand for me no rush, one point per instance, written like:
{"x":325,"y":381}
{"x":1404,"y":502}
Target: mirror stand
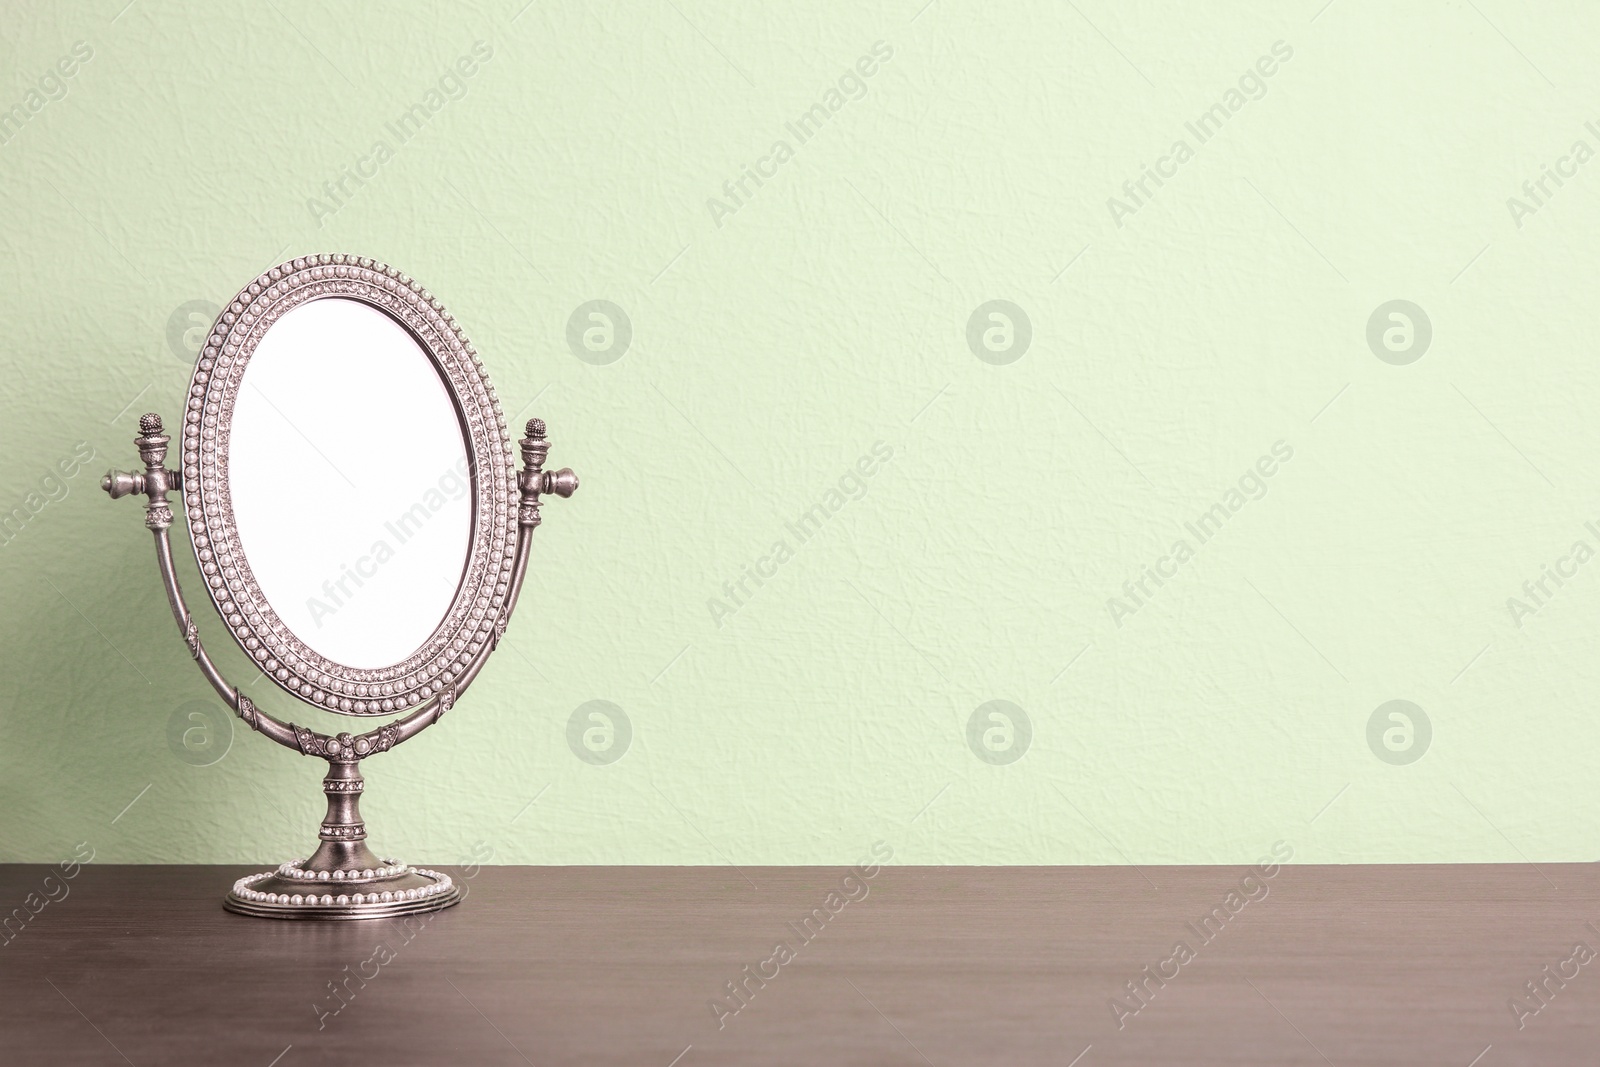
{"x":343,"y":878}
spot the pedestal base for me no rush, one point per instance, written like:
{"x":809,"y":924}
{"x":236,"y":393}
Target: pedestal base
{"x":294,"y":892}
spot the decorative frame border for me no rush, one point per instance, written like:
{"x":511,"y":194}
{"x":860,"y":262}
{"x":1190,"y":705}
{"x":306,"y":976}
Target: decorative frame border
{"x":479,"y":602}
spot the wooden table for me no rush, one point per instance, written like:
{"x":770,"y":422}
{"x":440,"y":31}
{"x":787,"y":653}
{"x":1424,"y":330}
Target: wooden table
{"x":944,"y":966}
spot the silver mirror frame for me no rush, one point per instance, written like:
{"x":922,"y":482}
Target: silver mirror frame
{"x":477,"y":608}
{"x":343,"y":878}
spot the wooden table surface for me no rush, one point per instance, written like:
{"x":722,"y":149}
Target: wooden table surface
{"x":944,"y":966}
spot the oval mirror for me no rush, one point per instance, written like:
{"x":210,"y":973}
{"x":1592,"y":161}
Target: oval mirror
{"x":347,"y":477}
{"x":374,"y":575}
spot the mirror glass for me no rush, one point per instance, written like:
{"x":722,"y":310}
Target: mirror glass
{"x":350,"y":482}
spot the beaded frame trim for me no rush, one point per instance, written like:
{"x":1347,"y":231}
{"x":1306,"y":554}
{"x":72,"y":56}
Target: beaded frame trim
{"x":470,"y":621}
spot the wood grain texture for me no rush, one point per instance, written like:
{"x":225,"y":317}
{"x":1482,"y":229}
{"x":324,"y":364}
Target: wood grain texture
{"x":617,"y":965}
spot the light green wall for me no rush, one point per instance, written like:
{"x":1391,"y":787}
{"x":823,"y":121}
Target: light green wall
{"x":777,"y":341}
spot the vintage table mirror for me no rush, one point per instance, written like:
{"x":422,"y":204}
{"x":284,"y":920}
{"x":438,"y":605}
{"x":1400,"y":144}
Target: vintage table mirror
{"x":362,"y":530}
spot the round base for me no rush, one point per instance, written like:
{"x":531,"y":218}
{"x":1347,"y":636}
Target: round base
{"x":292,"y":892}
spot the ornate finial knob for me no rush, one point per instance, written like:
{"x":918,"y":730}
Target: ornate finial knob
{"x":150,"y":424}
{"x":536,"y":429}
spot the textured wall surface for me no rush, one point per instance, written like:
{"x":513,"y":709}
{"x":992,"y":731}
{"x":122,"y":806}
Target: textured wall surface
{"x":1285,"y":414}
